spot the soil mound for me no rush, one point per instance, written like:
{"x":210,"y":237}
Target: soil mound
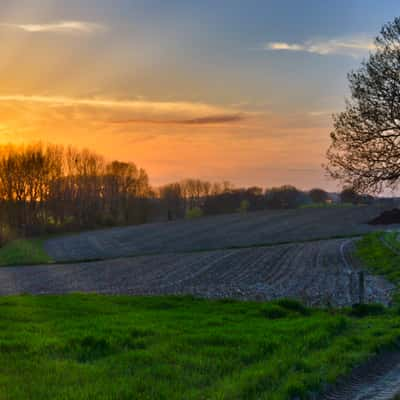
{"x":387,"y":218}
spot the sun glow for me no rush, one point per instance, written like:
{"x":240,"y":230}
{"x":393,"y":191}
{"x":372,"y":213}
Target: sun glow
{"x":84,"y":80}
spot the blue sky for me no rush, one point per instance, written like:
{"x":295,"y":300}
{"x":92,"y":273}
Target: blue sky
{"x":70,"y":67}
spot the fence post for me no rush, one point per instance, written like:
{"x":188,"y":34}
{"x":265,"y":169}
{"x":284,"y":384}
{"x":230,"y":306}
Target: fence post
{"x":351,"y":286}
{"x":361,"y":286}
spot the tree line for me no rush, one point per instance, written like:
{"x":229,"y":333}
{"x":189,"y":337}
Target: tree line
{"x":181,"y":199}
{"x":46,"y":188}
{"x":52,"y":188}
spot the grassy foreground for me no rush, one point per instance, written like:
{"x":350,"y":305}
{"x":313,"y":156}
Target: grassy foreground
{"x":105,"y":347}
{"x":23,"y":251}
{"x":380,"y":259}
{"x":119,"y":347}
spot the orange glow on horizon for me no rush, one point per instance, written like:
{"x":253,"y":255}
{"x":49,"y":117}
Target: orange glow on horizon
{"x":173,"y":141}
{"x":142,"y":95}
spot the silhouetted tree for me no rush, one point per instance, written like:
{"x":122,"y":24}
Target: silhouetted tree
{"x":223,"y":203}
{"x":49,"y":187}
{"x":172,"y":201}
{"x":349,"y":195}
{"x":318,"y":195}
{"x":283,"y":197}
{"x":365,"y":149}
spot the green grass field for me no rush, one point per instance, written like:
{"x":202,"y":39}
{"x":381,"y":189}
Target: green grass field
{"x":23,"y":251}
{"x":99,"y":347}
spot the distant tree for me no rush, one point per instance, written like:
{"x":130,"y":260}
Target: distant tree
{"x":223,"y":203}
{"x":254,"y":191}
{"x":366,"y":199}
{"x":194,"y":191}
{"x":318,"y":195}
{"x":349,"y":195}
{"x":283,"y":197}
{"x":172,"y":201}
{"x":227,"y":186}
{"x":255,"y":197}
{"x":365,"y":148}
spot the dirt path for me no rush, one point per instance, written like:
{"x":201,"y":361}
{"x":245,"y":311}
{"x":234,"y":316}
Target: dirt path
{"x":378,"y":379}
{"x":316,"y":272}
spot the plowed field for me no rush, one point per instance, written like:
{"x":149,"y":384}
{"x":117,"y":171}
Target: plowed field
{"x":269,"y":227}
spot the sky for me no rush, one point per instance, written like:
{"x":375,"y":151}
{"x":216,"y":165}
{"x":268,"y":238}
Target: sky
{"x":214,"y":89}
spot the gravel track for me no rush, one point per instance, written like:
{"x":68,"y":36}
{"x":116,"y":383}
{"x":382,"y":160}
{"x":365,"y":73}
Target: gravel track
{"x":259,"y":228}
{"x":378,"y":379}
{"x":315,"y":272}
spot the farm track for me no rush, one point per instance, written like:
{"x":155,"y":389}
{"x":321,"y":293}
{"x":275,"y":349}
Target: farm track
{"x":378,"y":379}
{"x":211,"y":233}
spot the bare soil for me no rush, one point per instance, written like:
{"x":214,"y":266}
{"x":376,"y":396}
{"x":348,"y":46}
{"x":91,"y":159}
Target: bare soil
{"x":388,"y":217}
{"x":319,"y":273}
{"x":259,"y":228}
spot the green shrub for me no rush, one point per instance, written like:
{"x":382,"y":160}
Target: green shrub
{"x":294,"y":305}
{"x":365,"y":310}
{"x":244,"y":206}
{"x":194,"y":212}
{"x":272,"y":311}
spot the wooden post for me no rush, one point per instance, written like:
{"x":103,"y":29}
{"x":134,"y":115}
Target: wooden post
{"x":351,"y":286}
{"x":361,"y":286}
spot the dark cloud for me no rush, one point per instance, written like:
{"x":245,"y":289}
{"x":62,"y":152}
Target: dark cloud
{"x":216,"y":119}
{"x":208,"y":120}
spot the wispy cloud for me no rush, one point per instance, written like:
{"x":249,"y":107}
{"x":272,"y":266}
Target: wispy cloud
{"x":321,"y":113}
{"x":83,"y":27}
{"x":353,"y":47}
{"x":139,"y":111}
{"x":207,"y":120}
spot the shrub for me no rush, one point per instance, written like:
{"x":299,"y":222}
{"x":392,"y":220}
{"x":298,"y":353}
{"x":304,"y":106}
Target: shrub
{"x":365,"y":310}
{"x":194,"y":212}
{"x":274,"y":312}
{"x":244,"y":206}
{"x":294,"y":305}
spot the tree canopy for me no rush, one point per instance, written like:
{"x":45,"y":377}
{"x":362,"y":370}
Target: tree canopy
{"x":318,"y":195}
{"x":365,"y":148}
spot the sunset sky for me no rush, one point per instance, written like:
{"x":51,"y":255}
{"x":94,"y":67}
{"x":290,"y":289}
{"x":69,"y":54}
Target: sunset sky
{"x":215,"y":89}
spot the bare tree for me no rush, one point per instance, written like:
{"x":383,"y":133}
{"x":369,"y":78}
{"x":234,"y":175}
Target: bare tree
{"x":173,"y":200}
{"x":365,"y":148}
{"x":48,"y":187}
